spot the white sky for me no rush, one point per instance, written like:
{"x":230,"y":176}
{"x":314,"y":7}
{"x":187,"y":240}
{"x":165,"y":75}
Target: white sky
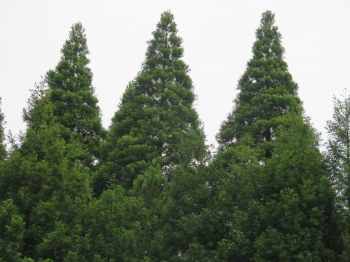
{"x":217,"y":39}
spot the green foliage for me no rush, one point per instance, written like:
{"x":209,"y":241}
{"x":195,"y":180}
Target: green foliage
{"x":72,"y":95}
{"x":338,"y":147}
{"x":122,"y":223}
{"x":238,"y":200}
{"x":267,"y":91}
{"x":29,"y":173}
{"x":2,"y":135}
{"x":298,"y":200}
{"x":337,"y":158}
{"x":148,"y":189}
{"x":156,"y":117}
{"x":265,"y":196}
{"x":60,"y":220}
{"x":189,"y":221}
{"x":280,"y":209}
{"x":276,"y":198}
{"x":112,"y":226}
{"x":12,"y":230}
{"x":48,"y":184}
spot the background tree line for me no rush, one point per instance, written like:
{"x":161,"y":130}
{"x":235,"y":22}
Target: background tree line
{"x":148,"y":189}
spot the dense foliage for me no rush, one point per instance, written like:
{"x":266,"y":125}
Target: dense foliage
{"x":338,"y":162}
{"x":285,"y":202}
{"x":72,"y":96}
{"x":148,"y":190}
{"x":267,"y":91}
{"x":156,"y":119}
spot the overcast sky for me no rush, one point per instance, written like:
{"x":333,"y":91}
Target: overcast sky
{"x":217,"y":40}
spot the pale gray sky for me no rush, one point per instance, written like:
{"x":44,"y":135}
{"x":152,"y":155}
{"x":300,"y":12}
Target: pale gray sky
{"x":217,"y":39}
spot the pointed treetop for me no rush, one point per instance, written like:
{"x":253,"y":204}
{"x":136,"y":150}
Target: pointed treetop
{"x":156,"y":118}
{"x":72,"y":72}
{"x":72,"y":93}
{"x":268,"y":42}
{"x":165,"y":47}
{"x":75,"y":48}
{"x":267,"y":91}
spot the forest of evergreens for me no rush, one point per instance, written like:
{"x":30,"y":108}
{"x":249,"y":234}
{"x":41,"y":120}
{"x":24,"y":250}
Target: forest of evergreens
{"x":148,"y":188}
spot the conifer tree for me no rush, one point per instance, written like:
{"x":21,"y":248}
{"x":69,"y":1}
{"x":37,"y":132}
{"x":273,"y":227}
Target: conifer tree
{"x":47,"y":183}
{"x":276,"y":198}
{"x":298,"y":198}
{"x":338,"y":162}
{"x":338,"y":147}
{"x":156,"y":118}
{"x":266,"y":91}
{"x":28,"y":175}
{"x":41,"y":144}
{"x":72,"y":95}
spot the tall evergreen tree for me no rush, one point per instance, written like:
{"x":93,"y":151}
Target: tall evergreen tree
{"x":338,"y":147}
{"x":337,"y":156}
{"x":276,"y":198}
{"x":266,"y":91}
{"x":21,"y":180}
{"x":156,"y":118}
{"x":72,"y":95}
{"x":281,"y":210}
{"x":299,"y":199}
{"x":28,"y":175}
{"x":47,"y":183}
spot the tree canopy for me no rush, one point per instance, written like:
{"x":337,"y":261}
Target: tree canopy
{"x":266,"y":91}
{"x":72,"y":95}
{"x":147,"y":189}
{"x":156,"y":118}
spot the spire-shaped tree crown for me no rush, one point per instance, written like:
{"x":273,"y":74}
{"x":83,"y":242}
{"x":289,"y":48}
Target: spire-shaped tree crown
{"x":268,"y":38}
{"x":266,"y":90}
{"x":75,"y":48}
{"x":72,"y":93}
{"x":156,"y":118}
